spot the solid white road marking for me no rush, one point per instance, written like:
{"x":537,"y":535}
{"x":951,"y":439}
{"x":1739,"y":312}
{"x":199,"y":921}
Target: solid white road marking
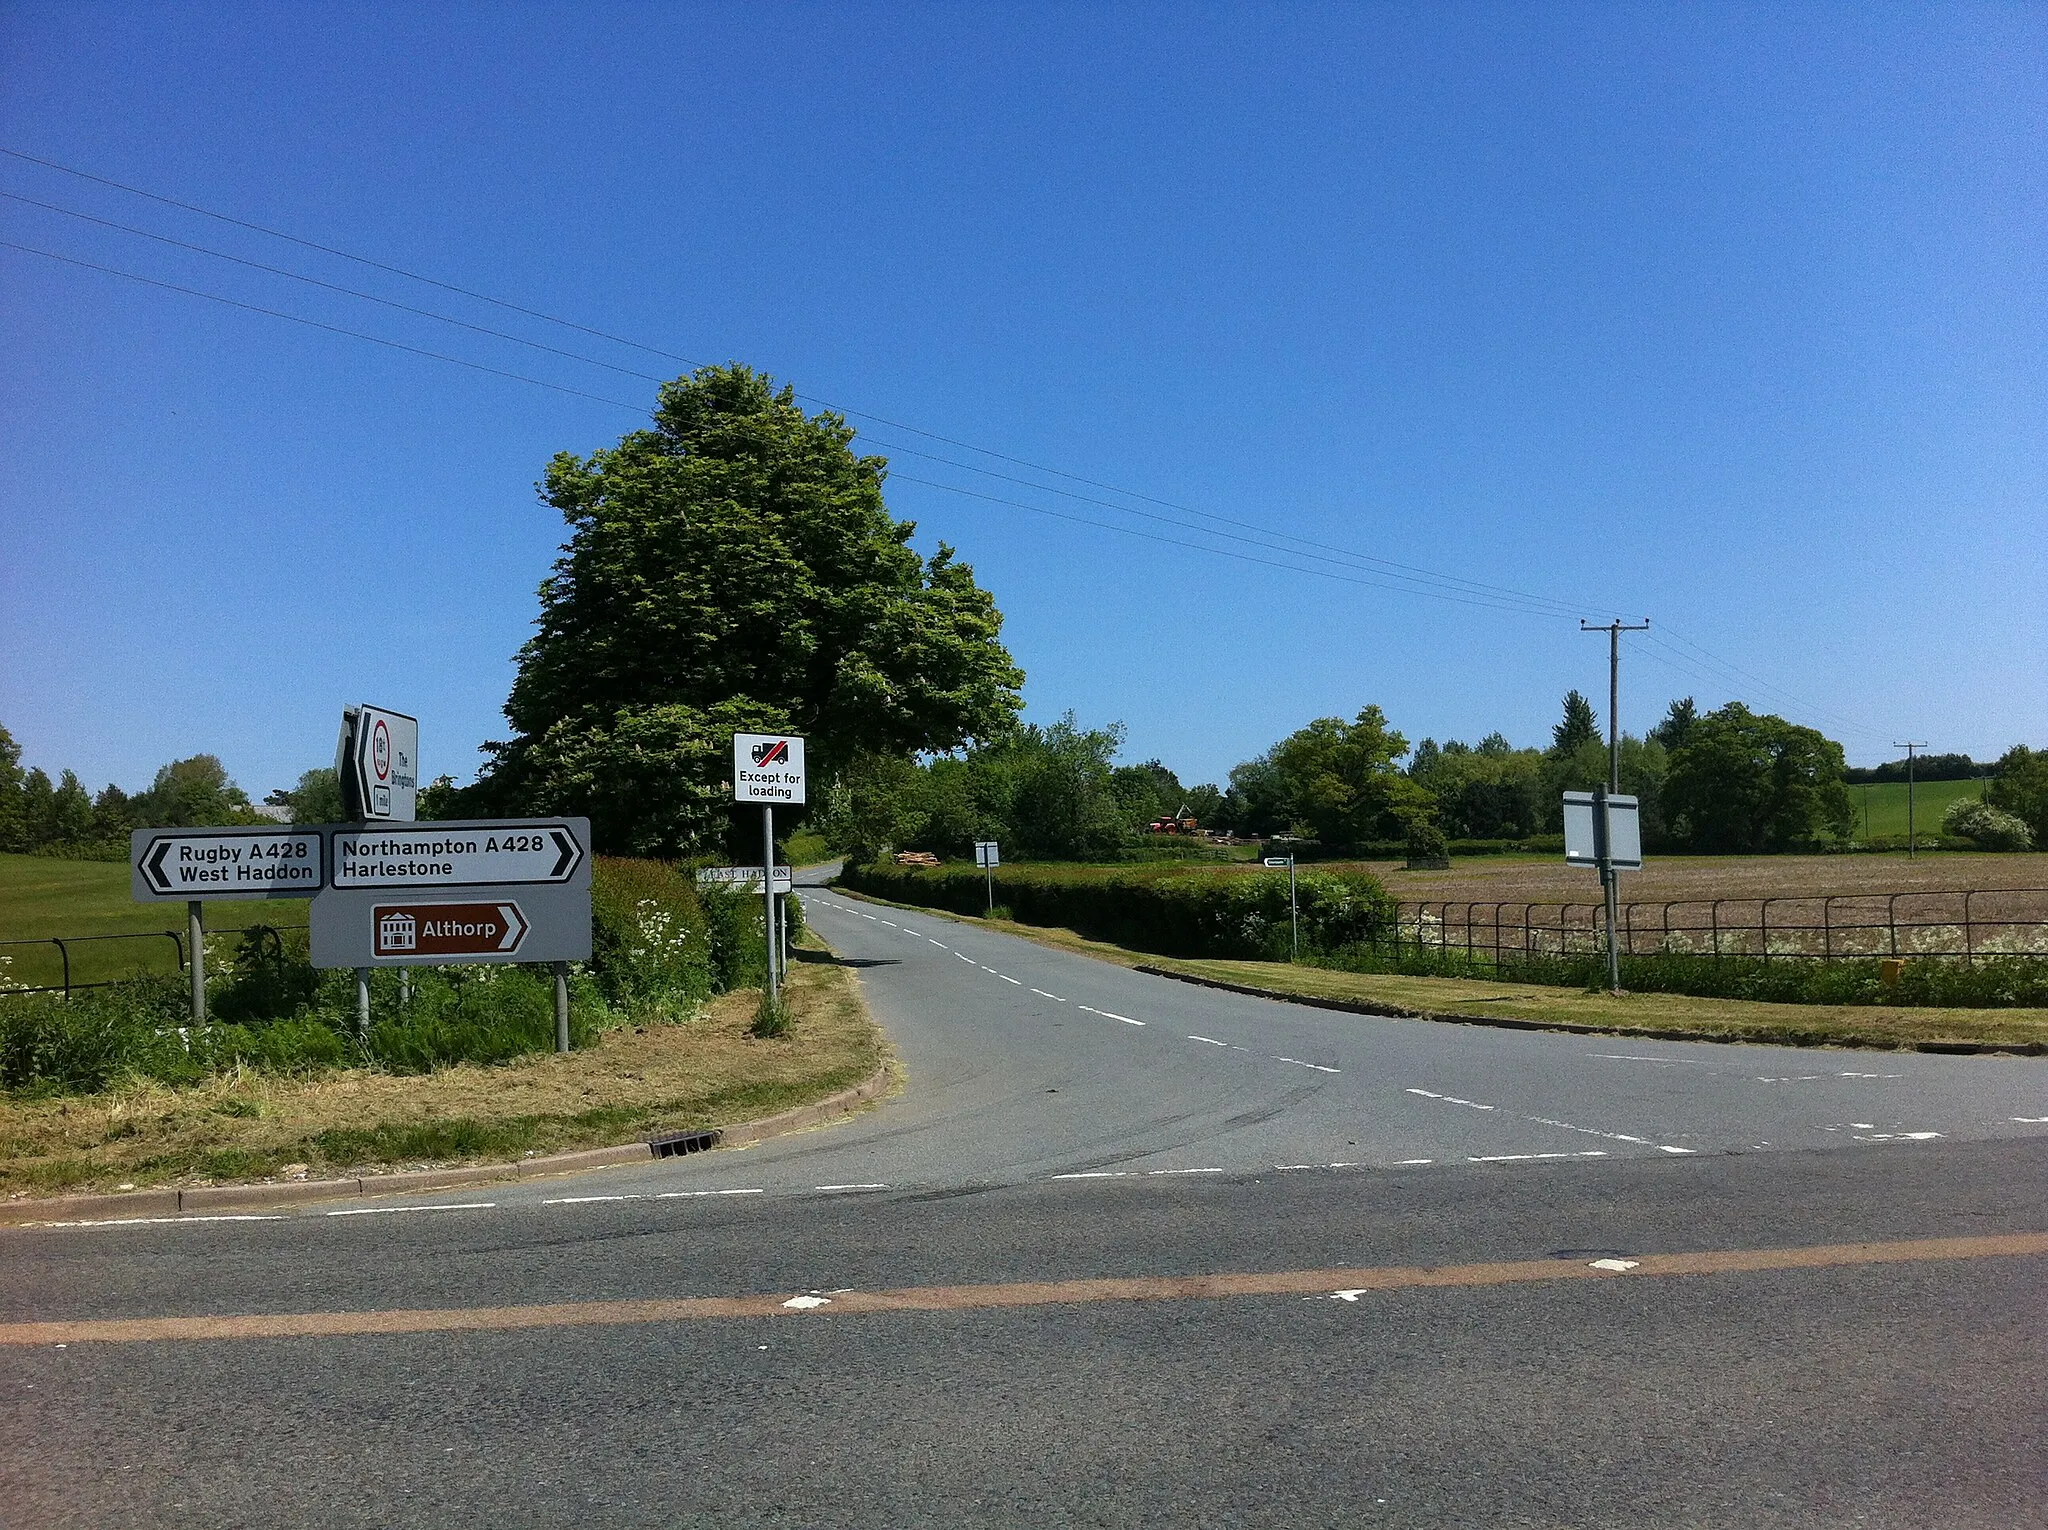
{"x":1212,"y":1041}
{"x":1402,"y":1163}
{"x":1450,"y":1099}
{"x":1526,"y":1157}
{"x":849,"y":1187}
{"x":1150,"y":1172}
{"x":385,"y":1211}
{"x":1096,"y":1174}
{"x":1900,"y":1137}
{"x":1111,"y":1015}
{"x":1691,"y":1062}
{"x":805,"y":1303}
{"x":1300,"y":1064}
{"x":1052,"y":996}
{"x":2031,"y":1120}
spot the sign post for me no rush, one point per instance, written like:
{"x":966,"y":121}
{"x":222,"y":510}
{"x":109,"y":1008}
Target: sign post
{"x":1603,"y":829}
{"x":188,"y":865}
{"x":1293,"y":908}
{"x":768,"y":768}
{"x":988,"y":855}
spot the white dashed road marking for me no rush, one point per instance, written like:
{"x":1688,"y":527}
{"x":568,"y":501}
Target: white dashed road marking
{"x":1529,"y":1157}
{"x":1450,"y":1099}
{"x":1300,"y":1064}
{"x":1052,"y":996}
{"x":1111,"y":1015}
{"x":1008,"y":979}
{"x":1212,"y":1041}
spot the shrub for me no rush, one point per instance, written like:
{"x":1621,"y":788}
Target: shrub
{"x":1987,"y":827}
{"x":1234,"y":912}
{"x":650,"y":940}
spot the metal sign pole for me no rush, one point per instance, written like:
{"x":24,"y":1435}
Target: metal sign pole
{"x":363,"y":1004}
{"x":768,"y":892}
{"x":561,"y":1006}
{"x":195,"y":931}
{"x":1293,"y":909}
{"x":1610,"y":881}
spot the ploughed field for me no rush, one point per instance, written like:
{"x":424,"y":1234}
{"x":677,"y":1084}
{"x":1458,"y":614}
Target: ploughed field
{"x":1938,"y":903}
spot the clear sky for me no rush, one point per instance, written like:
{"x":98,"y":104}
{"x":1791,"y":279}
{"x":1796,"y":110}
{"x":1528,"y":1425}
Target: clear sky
{"x":1728,"y":316}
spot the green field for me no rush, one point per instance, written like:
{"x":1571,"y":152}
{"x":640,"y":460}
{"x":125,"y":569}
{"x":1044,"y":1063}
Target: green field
{"x":41,"y":897}
{"x":1885,"y":804}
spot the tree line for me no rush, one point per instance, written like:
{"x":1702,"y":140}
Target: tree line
{"x":41,"y":816}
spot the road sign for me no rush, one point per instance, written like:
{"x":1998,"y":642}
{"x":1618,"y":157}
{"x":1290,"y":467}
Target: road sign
{"x":1582,"y":832}
{"x":1278,"y":860}
{"x":447,"y":929}
{"x":516,"y":923}
{"x":987,"y":853}
{"x":179,"y":865}
{"x":748,"y":877}
{"x":467,"y":853}
{"x":768,"y":767}
{"x":378,"y":764}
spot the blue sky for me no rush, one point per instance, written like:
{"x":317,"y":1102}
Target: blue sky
{"x":1727,"y":316}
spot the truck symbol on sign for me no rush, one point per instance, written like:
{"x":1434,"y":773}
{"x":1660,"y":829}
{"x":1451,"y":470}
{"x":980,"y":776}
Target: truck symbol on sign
{"x":774,"y":751}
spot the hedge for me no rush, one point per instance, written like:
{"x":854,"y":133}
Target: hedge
{"x":1167,"y":910}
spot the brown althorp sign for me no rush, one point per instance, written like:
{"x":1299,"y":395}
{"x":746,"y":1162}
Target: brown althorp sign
{"x":448,"y":929}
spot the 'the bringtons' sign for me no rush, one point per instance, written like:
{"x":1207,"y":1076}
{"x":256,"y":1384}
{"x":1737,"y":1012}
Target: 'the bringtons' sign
{"x":768,"y":767}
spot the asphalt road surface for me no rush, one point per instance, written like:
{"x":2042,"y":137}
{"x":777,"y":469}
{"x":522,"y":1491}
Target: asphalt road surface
{"x":1124,"y":1252}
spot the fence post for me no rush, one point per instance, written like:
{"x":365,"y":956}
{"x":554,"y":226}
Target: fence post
{"x":1715,"y":915}
{"x":65,"y":952}
{"x":1891,"y":920}
{"x":1827,"y":929}
{"x":1763,"y":926}
{"x":1969,"y":945}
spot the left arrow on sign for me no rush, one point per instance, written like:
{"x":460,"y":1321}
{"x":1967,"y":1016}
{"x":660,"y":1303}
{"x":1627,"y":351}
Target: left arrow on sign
{"x":155,"y":866}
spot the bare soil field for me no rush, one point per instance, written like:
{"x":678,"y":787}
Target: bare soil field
{"x":1939,"y":904}
{"x":1491,"y":879}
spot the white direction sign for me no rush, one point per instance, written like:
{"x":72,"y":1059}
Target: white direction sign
{"x":178,"y":865}
{"x":741,"y":876}
{"x":505,"y":853}
{"x":381,"y":753}
{"x":767,"y":767}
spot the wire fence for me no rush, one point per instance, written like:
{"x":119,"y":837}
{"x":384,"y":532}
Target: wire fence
{"x":1965,"y":924}
{"x":68,"y":964}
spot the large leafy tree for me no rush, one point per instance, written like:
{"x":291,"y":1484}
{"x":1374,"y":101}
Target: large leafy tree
{"x":1336,"y":779}
{"x":734,"y":568}
{"x":1745,"y":782}
{"x":2021,"y":788}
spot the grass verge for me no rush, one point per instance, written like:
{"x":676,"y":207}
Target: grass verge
{"x":1674,"y":1015}
{"x":709,"y":1071}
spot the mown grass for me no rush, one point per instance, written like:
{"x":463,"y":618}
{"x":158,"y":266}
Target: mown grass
{"x":634,"y":1080}
{"x":1881,"y":806}
{"x":1856,"y":1025}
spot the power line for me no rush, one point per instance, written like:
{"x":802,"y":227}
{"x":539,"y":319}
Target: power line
{"x":1476,"y":586}
{"x":1413,"y":579}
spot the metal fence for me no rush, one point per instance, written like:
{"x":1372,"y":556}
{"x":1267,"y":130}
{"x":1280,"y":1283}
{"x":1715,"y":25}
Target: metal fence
{"x":65,"y":946}
{"x":1961,"y":923}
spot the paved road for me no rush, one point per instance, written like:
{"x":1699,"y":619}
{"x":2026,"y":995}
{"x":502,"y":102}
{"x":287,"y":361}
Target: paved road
{"x":1067,"y":1121}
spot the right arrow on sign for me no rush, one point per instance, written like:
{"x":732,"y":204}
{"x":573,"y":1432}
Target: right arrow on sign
{"x":515,"y":926}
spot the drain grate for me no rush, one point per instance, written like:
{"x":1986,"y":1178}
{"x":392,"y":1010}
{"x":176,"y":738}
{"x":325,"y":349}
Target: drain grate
{"x":675,"y":1144}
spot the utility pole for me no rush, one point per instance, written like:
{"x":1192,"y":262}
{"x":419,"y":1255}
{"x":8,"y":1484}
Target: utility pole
{"x":1912,"y":838}
{"x":1610,"y":880}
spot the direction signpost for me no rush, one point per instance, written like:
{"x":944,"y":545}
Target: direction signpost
{"x":769,"y":768}
{"x":748,"y":877}
{"x":988,"y":855}
{"x":1604,"y":829}
{"x":1293,"y":910}
{"x":188,"y":865}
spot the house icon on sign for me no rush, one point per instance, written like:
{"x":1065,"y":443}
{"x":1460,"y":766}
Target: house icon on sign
{"x":397,"y":931}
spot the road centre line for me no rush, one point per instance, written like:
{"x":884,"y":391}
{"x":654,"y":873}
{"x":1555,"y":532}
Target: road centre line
{"x":1611,"y":1136}
{"x":1008,"y":979}
{"x":1010,"y":1294}
{"x":967,"y":959}
{"x":939,"y":943}
{"x":849,"y":1187}
{"x":871,"y":916}
{"x":1450,"y":1099}
{"x":385,"y":1211}
{"x":1530,"y":1157}
{"x":1212,"y":1041}
{"x":1110,"y":1015}
{"x":1044,"y":995}
{"x":1300,"y":1064}
{"x":160,"y":1221}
